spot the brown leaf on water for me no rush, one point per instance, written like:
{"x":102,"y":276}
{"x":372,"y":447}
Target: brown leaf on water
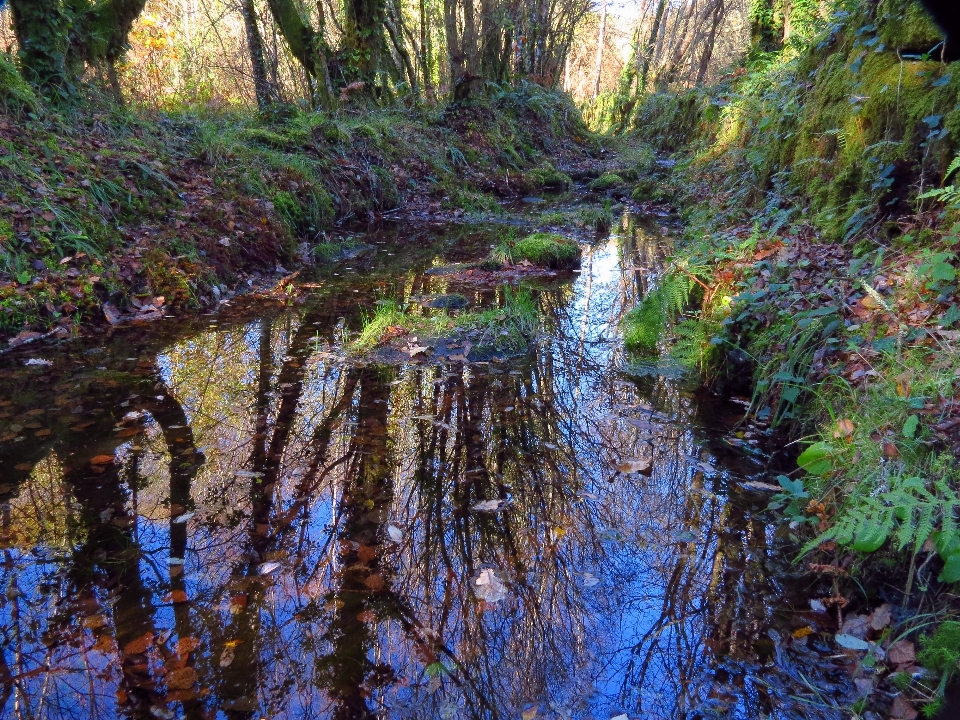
{"x":24,"y":467}
{"x":367,"y":616}
{"x":94,"y":621}
{"x":375,"y":582}
{"x":82,"y":426}
{"x":366,"y":553}
{"x":902,"y":652}
{"x":182,"y":679}
{"x":179,"y":596}
{"x":803,"y":632}
{"x":187,"y":645}
{"x":138,"y":646}
{"x":42,"y":433}
{"x":101,"y":460}
{"x":129,"y":432}
{"x":635,"y":465}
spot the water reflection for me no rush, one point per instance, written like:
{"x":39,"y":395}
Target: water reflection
{"x":234,"y":522}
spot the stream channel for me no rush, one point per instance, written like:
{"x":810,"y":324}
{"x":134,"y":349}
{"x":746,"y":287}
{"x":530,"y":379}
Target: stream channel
{"x":223,"y":516}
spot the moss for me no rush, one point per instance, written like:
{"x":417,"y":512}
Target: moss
{"x":546,"y":176}
{"x":607,"y":181}
{"x":544,"y":249}
{"x":268,"y":138}
{"x":15,"y":93}
{"x":905,"y":26}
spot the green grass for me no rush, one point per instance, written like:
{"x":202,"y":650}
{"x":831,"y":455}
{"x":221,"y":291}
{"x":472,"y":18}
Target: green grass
{"x":607,"y":181}
{"x":543,"y":249}
{"x":510,"y":326}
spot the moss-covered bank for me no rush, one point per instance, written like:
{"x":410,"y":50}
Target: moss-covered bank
{"x":105,"y":211}
{"x":812,"y":267}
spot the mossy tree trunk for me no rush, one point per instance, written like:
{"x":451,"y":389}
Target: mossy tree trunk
{"x":307,"y":45}
{"x":364,"y":46}
{"x":60,"y":38}
{"x":41,"y":27}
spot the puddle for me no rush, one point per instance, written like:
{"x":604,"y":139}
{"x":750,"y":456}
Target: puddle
{"x":222,"y":518}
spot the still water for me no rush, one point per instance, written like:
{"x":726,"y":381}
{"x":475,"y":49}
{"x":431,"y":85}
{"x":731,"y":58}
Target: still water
{"x":225,"y":517}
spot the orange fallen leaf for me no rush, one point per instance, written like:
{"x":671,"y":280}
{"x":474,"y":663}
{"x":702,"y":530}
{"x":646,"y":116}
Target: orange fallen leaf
{"x":138,"y":646}
{"x":845,"y":428}
{"x":101,"y":460}
{"x":803,"y":632}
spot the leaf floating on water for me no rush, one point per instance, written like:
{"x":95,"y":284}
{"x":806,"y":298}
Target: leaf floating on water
{"x":394,"y":533}
{"x":101,"y":460}
{"x":248,"y":474}
{"x":530,"y":713}
{"x":488,"y":505}
{"x":589,"y":580}
{"x":226,"y":657}
{"x":38,"y":361}
{"x":849,"y":642}
{"x":268,"y":568}
{"x":489,"y":587}
{"x":180,"y":519}
{"x":683,"y":535}
{"x":415,"y":350}
{"x":761,"y":486}
{"x":635,"y":465}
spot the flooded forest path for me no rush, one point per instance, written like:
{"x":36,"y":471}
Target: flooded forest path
{"x":231,"y":515}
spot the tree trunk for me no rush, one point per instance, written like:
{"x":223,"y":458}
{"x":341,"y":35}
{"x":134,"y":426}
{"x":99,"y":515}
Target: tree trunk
{"x":261,"y":85}
{"x":648,"y":49}
{"x":306,"y":45}
{"x":600,"y":41}
{"x":363,"y":40}
{"x":707,"y":54}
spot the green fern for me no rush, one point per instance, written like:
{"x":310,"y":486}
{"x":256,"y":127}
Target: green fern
{"x":646,"y":324}
{"x":908,"y":513}
{"x":949,"y":194}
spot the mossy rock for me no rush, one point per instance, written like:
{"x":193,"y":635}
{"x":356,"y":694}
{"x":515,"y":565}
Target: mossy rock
{"x":607,"y":181}
{"x":547,"y":176}
{"x":454,"y":301}
{"x":646,"y":189}
{"x":906,"y":26}
{"x":546,"y":250}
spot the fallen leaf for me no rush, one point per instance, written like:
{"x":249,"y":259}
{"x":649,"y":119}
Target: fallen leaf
{"x":762,"y":486}
{"x":268,"y":568}
{"x":902,"y":709}
{"x":902,"y":652}
{"x":375,"y":582}
{"x":415,"y":350}
{"x":187,"y":645}
{"x":803,"y":632}
{"x":881,"y":617}
{"x":366,"y":553}
{"x":226,"y":657}
{"x":24,"y":467}
{"x":178,"y":596}
{"x":844,"y":429}
{"x":101,"y":460}
{"x":394,"y":533}
{"x":589,"y":580}
{"x":138,"y":646}
{"x":180,"y":519}
{"x":94,"y":621}
{"x":182,"y":679}
{"x":635,"y":465}
{"x":367,"y":616}
{"x":530,"y":713}
{"x":850,"y":642}
{"x":489,"y":587}
{"x":856,"y":625}
{"x":488,"y":505}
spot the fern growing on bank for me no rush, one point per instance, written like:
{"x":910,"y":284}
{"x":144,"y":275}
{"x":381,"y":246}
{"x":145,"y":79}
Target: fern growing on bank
{"x":645,"y":324}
